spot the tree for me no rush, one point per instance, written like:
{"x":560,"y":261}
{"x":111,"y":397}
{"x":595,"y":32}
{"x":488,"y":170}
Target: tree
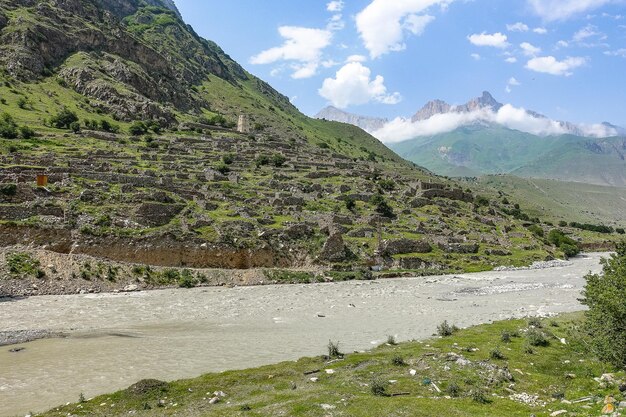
{"x":604,"y":294}
{"x":8,"y":127}
{"x":381,"y":206}
{"x":568,"y":245}
{"x":278,"y":160}
{"x":63,"y":119}
{"x":26,"y":132}
{"x":138,"y":128}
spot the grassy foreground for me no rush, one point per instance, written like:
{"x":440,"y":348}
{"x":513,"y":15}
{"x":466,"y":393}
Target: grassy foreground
{"x":509,"y":368}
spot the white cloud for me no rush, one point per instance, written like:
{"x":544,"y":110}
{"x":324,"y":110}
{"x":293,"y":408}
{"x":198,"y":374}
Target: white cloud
{"x":401,"y":129}
{"x":383,"y":24}
{"x":353,"y":85}
{"x":540,"y":31}
{"x":562,"y":44}
{"x":356,"y":58}
{"x":511,"y":60}
{"x":517,"y":27}
{"x":586,"y":32}
{"x":335,"y":23}
{"x":335,"y":6}
{"x":511,"y":83}
{"x":302,"y":45}
{"x":497,"y":40}
{"x":550,"y":65}
{"x":617,"y":52}
{"x":529,"y":49}
{"x":564,"y":9}
{"x":475,"y":56}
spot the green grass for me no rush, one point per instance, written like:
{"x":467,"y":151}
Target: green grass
{"x":477,"y":373}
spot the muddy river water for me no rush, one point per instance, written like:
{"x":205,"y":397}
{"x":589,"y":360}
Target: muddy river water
{"x":117,"y":339}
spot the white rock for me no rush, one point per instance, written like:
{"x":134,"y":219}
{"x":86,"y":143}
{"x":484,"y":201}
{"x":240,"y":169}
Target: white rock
{"x":330,"y":371}
{"x":558,"y":413}
{"x":328,"y":407}
{"x":314,"y":379}
{"x":413,"y":372}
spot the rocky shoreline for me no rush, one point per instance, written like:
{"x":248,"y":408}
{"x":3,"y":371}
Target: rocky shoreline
{"x":16,"y":337}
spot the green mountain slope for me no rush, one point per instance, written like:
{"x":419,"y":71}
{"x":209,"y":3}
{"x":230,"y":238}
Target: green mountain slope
{"x":478,"y":150}
{"x":131,"y":115}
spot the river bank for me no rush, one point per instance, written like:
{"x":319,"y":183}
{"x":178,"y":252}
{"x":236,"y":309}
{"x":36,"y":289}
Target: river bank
{"x":180,"y":333}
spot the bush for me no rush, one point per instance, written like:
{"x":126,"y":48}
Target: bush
{"x":535,"y":322}
{"x":222,"y":168}
{"x":505,"y":336}
{"x":568,"y":245}
{"x":481,"y":201}
{"x":453,"y":389}
{"x":278,"y":160}
{"x":536,"y":230}
{"x":479,"y":396}
{"x":22,"y":264}
{"x":262,"y":160}
{"x":496,"y":353}
{"x":391,"y":340}
{"x":138,"y":128}
{"x":75,"y":127}
{"x":187,"y":280}
{"x":562,"y":223}
{"x":379,"y":387}
{"x":63,"y":119}
{"x":535,"y":337}
{"x":350,"y":203}
{"x":381,"y":206}
{"x":398,"y":360}
{"x":620,"y":231}
{"x":228,"y":158}
{"x":333,"y":350}
{"x":604,"y":294}
{"x":387,"y":184}
{"x":22,"y":103}
{"x":8,"y":189}
{"x":8,"y":128}
{"x":26,"y":132}
{"x":444,"y":329}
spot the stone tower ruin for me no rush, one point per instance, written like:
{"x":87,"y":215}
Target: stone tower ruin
{"x":243,"y":125}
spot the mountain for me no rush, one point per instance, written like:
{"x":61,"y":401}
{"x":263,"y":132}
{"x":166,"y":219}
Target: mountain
{"x":158,"y":149}
{"x":492,"y":149}
{"x":369,"y":124}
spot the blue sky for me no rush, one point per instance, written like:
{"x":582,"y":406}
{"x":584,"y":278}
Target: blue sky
{"x":563,"y":58}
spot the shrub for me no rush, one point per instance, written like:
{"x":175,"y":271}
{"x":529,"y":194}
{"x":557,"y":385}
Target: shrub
{"x":604,"y":294}
{"x":222,"y":168}
{"x":398,"y":360}
{"x":26,"y":132}
{"x":479,"y":396}
{"x":22,"y":264}
{"x":481,"y":201}
{"x":505,"y":336}
{"x":261,"y":160}
{"x":75,"y":127}
{"x":537,"y":338}
{"x":536,"y":230}
{"x":453,"y":389}
{"x":350,"y":203}
{"x":387,"y":184}
{"x":8,"y":189}
{"x":391,"y":340}
{"x":620,"y":231}
{"x":228,"y":158}
{"x":63,"y":119}
{"x":187,"y":280}
{"x":381,"y":206}
{"x":278,"y":160}
{"x":379,"y":387}
{"x":444,"y":329}
{"x":138,"y":128}
{"x":8,"y":128}
{"x":562,"y":223}
{"x":568,"y":245}
{"x":535,"y":322}
{"x":333,"y":350}
{"x":496,"y":353}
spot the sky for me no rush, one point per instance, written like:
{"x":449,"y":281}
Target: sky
{"x":562,"y":58}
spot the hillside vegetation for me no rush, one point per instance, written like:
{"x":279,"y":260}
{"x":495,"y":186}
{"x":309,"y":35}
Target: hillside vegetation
{"x":131,"y":115}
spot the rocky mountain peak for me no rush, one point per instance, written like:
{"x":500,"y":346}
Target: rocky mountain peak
{"x":482,"y":102}
{"x":369,"y":124}
{"x":430,"y":109}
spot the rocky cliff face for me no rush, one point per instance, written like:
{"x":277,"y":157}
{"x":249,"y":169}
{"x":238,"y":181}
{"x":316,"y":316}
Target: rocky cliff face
{"x":430,"y":109}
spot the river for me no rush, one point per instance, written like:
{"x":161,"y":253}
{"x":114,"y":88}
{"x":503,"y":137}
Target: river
{"x":117,"y":339}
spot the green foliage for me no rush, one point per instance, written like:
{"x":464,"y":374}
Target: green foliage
{"x":568,"y":245}
{"x":138,"y":128}
{"x":391,"y":340}
{"x":496,"y":353}
{"x":562,"y":223}
{"x":387,"y":184}
{"x":605,"y":295}
{"x":378,"y":387}
{"x":26,"y":132}
{"x":22,"y":103}
{"x":22,"y":264}
{"x":228,"y":158}
{"x":278,"y":160}
{"x":8,"y":127}
{"x":222,"y":168}
{"x":620,"y":231}
{"x":381,"y":206}
{"x":262,"y":160}
{"x":63,"y":119}
{"x":350,"y":203}
{"x":598,"y":228}
{"x":8,"y":189}
{"x":536,"y":337}
{"x":481,"y":201}
{"x":75,"y":127}
{"x":397,"y":360}
{"x":333,"y":350}
{"x":187,"y":280}
{"x":445,"y":329}
{"x":536,"y":230}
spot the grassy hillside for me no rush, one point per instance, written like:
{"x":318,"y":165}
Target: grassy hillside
{"x":510,"y":368}
{"x":479,"y":150}
{"x":560,"y":200}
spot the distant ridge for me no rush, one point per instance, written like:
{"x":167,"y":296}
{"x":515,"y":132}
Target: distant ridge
{"x":369,"y":124}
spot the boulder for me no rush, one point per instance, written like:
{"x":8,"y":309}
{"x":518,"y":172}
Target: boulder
{"x":459,"y":247}
{"x":334,"y":249}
